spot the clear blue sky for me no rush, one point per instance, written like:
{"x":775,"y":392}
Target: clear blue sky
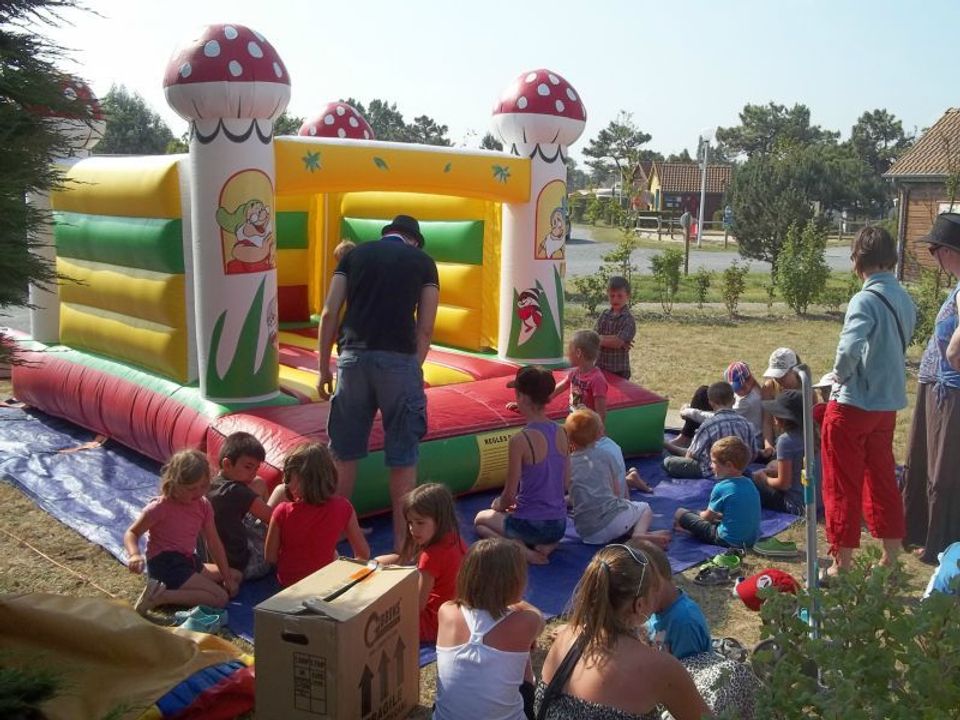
{"x":451,"y":59}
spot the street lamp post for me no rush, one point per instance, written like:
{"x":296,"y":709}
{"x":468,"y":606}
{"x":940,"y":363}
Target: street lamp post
{"x":705,"y":137}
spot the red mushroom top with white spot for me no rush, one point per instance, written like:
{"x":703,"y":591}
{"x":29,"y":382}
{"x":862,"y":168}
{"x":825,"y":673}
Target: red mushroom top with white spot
{"x":540,"y":107}
{"x":542,"y":92}
{"x":227,"y":72}
{"x":77,"y":90}
{"x":338,"y":119}
{"x":226,"y":52}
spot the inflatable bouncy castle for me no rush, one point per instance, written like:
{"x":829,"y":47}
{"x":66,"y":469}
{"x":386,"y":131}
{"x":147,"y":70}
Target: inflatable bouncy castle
{"x":192,"y":283}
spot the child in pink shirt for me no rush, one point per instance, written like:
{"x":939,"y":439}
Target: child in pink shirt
{"x":303,"y":534}
{"x":172,"y":523}
{"x":586,"y":383}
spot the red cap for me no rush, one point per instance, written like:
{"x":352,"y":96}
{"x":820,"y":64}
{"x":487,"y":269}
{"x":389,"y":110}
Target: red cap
{"x":226,"y":53}
{"x":771,"y":578}
{"x":542,"y":92}
{"x":338,"y":119}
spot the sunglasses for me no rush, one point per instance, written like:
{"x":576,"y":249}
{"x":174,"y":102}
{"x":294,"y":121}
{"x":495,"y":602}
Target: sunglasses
{"x":932,"y":249}
{"x":640,"y":559}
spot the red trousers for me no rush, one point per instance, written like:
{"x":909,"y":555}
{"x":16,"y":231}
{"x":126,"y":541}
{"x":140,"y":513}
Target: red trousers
{"x":859,"y":475}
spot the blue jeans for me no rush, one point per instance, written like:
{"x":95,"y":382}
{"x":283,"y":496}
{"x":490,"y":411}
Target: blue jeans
{"x":371,"y":380}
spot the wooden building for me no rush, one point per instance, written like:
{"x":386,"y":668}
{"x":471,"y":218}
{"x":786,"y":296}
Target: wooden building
{"x":920,"y":177}
{"x":675,"y":187}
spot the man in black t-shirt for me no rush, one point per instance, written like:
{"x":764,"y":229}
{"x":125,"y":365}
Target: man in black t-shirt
{"x":391,"y":291}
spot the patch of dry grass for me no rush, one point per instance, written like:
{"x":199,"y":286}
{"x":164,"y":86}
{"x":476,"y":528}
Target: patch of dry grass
{"x":672,"y":356}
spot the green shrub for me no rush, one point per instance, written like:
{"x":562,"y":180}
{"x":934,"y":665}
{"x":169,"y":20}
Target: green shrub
{"x":878,"y":654}
{"x":594,"y":210}
{"x":592,"y":290}
{"x":802,"y":270}
{"x":928,"y":295}
{"x":702,"y":281}
{"x":770,"y":289}
{"x":665,"y":267}
{"x":578,"y":207}
{"x":833,"y":298}
{"x":732,"y":285}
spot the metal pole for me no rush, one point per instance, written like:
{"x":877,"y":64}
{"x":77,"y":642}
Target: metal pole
{"x":811,"y":477}
{"x":703,"y":189}
{"x":686,"y":250}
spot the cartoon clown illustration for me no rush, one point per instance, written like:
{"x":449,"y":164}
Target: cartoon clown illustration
{"x":528,"y":310}
{"x":251,"y":228}
{"x":551,"y":246}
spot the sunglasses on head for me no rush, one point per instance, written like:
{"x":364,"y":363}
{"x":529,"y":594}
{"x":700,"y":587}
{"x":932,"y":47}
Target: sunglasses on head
{"x":640,"y":559}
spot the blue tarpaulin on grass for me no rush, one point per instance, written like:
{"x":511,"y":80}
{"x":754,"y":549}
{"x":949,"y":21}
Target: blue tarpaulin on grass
{"x":99,"y":491}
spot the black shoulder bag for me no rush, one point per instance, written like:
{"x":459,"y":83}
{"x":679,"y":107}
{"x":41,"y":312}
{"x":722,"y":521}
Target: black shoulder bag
{"x":560,"y":677}
{"x":903,"y":339}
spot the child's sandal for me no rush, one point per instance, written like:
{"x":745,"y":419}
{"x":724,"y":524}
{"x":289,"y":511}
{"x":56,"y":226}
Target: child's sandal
{"x":712,"y":576}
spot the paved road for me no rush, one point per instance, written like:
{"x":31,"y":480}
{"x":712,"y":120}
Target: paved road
{"x":585,"y":255}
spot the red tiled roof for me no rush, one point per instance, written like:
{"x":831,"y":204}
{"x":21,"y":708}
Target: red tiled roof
{"x":936,"y":154}
{"x":685,"y":177}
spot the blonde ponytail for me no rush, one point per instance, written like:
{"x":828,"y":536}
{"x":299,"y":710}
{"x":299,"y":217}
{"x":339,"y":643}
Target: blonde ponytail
{"x":610,"y":585}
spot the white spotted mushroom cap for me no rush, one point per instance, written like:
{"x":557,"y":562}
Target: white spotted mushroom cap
{"x":540,"y":107}
{"x":228,"y":71}
{"x":338,"y":119}
{"x":83,"y":130}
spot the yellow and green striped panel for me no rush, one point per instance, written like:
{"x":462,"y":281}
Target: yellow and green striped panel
{"x":132,"y":186}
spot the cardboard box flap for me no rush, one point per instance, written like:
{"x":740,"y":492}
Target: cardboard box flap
{"x":340,"y":591}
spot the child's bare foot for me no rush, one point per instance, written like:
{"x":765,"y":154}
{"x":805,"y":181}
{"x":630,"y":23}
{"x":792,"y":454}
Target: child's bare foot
{"x":660,"y":538}
{"x":635,"y":481}
{"x":682,"y":441}
{"x":535,"y":557}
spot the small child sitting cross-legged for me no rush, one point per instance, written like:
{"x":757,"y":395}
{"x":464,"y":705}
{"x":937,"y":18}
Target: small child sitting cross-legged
{"x":676,"y":624}
{"x":732,"y":519}
{"x":694,"y":462}
{"x":780,"y":485}
{"x":602,"y":511}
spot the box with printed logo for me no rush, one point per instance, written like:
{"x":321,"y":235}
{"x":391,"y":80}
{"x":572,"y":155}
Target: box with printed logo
{"x":341,"y":643}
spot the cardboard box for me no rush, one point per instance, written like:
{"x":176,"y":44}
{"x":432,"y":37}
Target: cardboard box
{"x":352,"y":652}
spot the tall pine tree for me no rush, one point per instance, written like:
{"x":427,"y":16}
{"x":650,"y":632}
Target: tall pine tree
{"x":31,"y":90}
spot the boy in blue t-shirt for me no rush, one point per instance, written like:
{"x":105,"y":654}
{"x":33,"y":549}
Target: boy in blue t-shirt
{"x":732,"y":519}
{"x":677,"y":624}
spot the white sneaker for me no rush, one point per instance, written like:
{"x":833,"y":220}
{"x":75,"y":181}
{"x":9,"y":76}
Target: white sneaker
{"x":147,"y":600}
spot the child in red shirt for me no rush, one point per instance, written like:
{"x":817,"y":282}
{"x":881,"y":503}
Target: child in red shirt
{"x":435,"y":545}
{"x":303,"y":534}
{"x":587,"y":385}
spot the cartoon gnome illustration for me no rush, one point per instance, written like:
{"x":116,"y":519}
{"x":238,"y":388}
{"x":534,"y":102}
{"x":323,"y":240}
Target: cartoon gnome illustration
{"x":252,"y":231}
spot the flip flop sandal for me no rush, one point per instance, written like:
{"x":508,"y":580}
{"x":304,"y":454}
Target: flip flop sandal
{"x":183,"y":616}
{"x":203,"y":623}
{"x":730,"y":560}
{"x":771,"y":547}
{"x":712,"y":576}
{"x":730,"y":648}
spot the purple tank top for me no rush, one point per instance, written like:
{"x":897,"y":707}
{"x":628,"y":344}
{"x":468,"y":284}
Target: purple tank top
{"x":540,"y":496}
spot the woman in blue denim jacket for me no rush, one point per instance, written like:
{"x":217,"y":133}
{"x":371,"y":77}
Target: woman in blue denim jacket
{"x":859,"y":479}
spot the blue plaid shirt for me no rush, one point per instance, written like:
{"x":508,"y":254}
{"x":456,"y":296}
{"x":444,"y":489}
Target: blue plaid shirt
{"x":724,"y":423}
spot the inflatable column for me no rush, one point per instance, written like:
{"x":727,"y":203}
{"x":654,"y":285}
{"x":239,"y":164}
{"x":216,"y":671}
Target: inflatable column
{"x":230,"y":84}
{"x":538,"y":116}
{"x":82,"y":133}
